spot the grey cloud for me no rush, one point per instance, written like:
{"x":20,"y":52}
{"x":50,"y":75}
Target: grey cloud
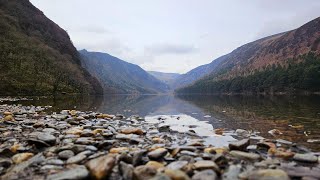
{"x":283,"y":25}
{"x":164,"y":49}
{"x":91,"y":29}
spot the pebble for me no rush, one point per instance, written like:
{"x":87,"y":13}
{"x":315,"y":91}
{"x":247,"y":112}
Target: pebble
{"x":201,"y":165}
{"x":48,"y":138}
{"x":268,"y":174}
{"x":66,"y":154}
{"x":205,"y":175}
{"x":76,"y":159}
{"x":158,"y":153}
{"x":239,"y":145}
{"x":308,"y":158}
{"x":79,"y":172}
{"x":144,"y":172}
{"x":245,"y":155}
{"x":18,"y":158}
{"x":101,"y":167}
{"x":177,"y":165}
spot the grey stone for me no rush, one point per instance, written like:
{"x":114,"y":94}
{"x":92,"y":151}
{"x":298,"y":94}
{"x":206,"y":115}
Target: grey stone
{"x":79,"y":172}
{"x":66,"y":154}
{"x":239,"y":145}
{"x":308,"y":158}
{"x":48,"y":138}
{"x":205,"y":175}
{"x":245,"y":155}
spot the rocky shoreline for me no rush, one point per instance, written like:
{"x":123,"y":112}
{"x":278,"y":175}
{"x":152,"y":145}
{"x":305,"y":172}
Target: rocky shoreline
{"x":89,"y":145}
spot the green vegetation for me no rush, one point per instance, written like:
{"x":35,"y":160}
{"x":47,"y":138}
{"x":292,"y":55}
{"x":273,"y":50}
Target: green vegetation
{"x":294,"y":78}
{"x":37,"y":56}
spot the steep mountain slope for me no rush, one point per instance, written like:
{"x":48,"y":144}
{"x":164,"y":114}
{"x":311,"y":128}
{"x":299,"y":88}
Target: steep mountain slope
{"x":167,"y":78}
{"x":120,"y":76}
{"x":286,"y":62}
{"x":196,"y":73}
{"x":37,"y":56}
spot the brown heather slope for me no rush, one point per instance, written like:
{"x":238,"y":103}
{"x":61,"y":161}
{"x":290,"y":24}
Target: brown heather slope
{"x":275,"y":49}
{"x":291,"y":58}
{"x":37,"y":56}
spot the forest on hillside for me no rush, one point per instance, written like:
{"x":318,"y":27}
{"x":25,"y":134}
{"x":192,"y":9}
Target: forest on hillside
{"x":302,"y":77}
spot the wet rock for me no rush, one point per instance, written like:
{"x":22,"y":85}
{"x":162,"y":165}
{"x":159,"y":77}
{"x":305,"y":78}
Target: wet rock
{"x":239,"y":145}
{"x":188,"y":153}
{"x":144,"y":172}
{"x":308,"y":158}
{"x":210,"y":150}
{"x":296,"y":172}
{"x":158,"y":153}
{"x":176,"y":174}
{"x":242,"y":132}
{"x":266,"y":174}
{"x":164,"y":128}
{"x":132,"y":130}
{"x":155,"y":164}
{"x":101,"y":167}
{"x":19,"y":168}
{"x":51,"y":167}
{"x":205,"y":175}
{"x":232,"y":172}
{"x":5,"y":162}
{"x":38,"y":143}
{"x":118,"y":150}
{"x":55,"y":162}
{"x":79,"y":172}
{"x":177,"y":165}
{"x":202,"y":165}
{"x":77,"y":158}
{"x":48,"y":138}
{"x":161,"y":177}
{"x":126,"y":170}
{"x":245,"y":155}
{"x":8,"y":118}
{"x":66,"y":154}
{"x":18,"y":158}
{"x":137,"y":157}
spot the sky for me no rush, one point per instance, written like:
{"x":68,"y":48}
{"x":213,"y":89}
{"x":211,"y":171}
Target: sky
{"x":174,"y":35}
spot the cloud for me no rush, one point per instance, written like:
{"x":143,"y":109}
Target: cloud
{"x":92,"y":29}
{"x":165,"y":48}
{"x":289,"y":22}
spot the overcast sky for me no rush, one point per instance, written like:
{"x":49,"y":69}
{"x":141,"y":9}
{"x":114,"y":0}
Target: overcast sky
{"x":174,"y":35}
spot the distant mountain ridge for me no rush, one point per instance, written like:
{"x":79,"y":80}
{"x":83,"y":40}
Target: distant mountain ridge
{"x":271,"y":64}
{"x":167,"y":78}
{"x":37,"y":57}
{"x":120,"y":77}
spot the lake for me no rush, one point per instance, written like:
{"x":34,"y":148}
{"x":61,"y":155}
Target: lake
{"x":297,"y":117}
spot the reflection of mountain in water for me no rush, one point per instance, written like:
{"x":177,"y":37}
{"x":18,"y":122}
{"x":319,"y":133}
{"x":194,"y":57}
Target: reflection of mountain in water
{"x":264,"y":113}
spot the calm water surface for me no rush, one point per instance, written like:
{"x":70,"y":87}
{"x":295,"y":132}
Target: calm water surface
{"x":298,"y":118}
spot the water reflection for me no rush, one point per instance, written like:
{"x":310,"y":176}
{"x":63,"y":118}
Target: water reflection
{"x":297,"y":117}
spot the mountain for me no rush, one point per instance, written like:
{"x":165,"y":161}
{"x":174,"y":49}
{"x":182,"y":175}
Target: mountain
{"x":196,"y":74}
{"x":285,"y":62}
{"x":167,"y":78}
{"x":120,"y":77}
{"x":37,"y":56}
